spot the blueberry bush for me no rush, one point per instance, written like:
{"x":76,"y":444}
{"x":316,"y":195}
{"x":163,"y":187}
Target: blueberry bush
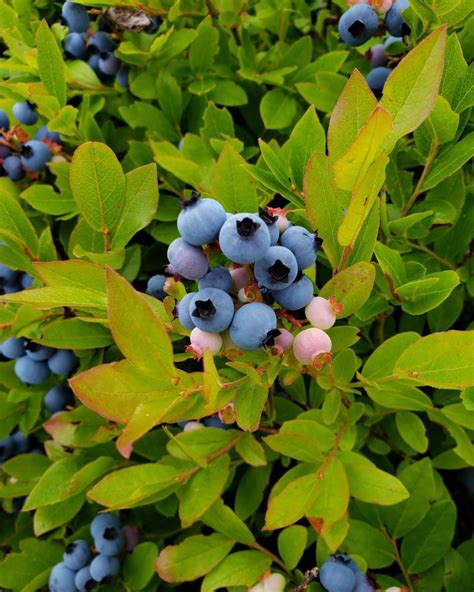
{"x":235,"y":288}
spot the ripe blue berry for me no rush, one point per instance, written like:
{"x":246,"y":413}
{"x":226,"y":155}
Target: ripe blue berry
{"x":394,"y":19}
{"x":30,"y":371}
{"x":4,"y":151}
{"x":109,"y":64}
{"x":303,"y":244}
{"x":77,"y":555}
{"x":295,"y":296}
{"x":62,"y":579}
{"x":44,"y":134}
{"x":244,"y":238}
{"x":21,"y":443}
{"x":362,"y":583}
{"x":376,"y":78}
{"x":110,"y":542}
{"x":217,"y":277}
{"x":335,"y":576}
{"x":84,"y":581}
{"x":13,"y":347}
{"x":122,"y":77}
{"x":6,"y":448}
{"x":154,"y":286}
{"x":26,"y":281}
{"x":200,"y":220}
{"x":62,"y":362}
{"x":212,"y":310}
{"x":253,"y":326}
{"x":75,"y":45}
{"x":358,"y":24}
{"x":57,"y":398}
{"x":38,"y":352}
{"x":271,"y":222}
{"x":93,"y":62}
{"x":35,"y":155}
{"x":25,"y":112}
{"x":13,"y":168}
{"x":76,"y":16}
{"x":184,"y":315}
{"x":103,"y":521}
{"x":187,"y":260}
{"x":277,"y":269}
{"x":376,"y":55}
{"x":7,"y":275}
{"x":100,"y":42}
{"x":104,"y":567}
{"x":348,"y":561}
{"x":215,"y":422}
{"x":4,"y":121}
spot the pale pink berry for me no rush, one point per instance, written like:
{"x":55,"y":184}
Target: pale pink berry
{"x":193,"y":425}
{"x":241,"y":277}
{"x":282,"y":342}
{"x":257,"y":588}
{"x":131,"y":536}
{"x":321,"y":313}
{"x":201,"y":340}
{"x":381,"y":7}
{"x":282,"y":221}
{"x":312,"y":346}
{"x":393,"y":589}
{"x":274,"y":583}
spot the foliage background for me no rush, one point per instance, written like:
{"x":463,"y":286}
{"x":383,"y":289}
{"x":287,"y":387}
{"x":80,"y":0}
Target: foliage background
{"x":371,"y":456}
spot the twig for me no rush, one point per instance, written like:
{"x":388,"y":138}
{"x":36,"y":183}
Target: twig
{"x":419,"y":185}
{"x":398,"y":559}
{"x":309,"y":576}
{"x":443,"y":261}
{"x":272,"y":556}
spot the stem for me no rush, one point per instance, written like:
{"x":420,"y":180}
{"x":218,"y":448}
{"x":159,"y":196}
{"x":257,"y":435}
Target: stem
{"x":443,"y":261}
{"x":398,"y":559}
{"x":419,"y":185}
{"x":105,"y":235}
{"x":334,"y":449}
{"x":345,"y":256}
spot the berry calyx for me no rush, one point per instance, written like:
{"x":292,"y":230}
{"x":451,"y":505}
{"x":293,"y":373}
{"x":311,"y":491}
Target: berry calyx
{"x":246,"y":228}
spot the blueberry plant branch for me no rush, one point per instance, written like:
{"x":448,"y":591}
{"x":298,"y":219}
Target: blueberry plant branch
{"x":398,"y":559}
{"x":418,"y":189}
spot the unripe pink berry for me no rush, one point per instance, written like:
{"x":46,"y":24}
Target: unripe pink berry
{"x":310,"y":344}
{"x":321,"y":313}
{"x":274,"y":583}
{"x":282,"y":221}
{"x":282,"y":342}
{"x":193,"y":425}
{"x":201,"y":340}
{"x":393,"y":589}
{"x":241,"y":277}
{"x":381,"y":7}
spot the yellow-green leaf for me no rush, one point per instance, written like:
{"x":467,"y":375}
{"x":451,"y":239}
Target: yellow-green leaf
{"x":50,"y":63}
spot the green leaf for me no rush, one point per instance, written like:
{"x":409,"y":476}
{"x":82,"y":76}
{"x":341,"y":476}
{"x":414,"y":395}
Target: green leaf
{"x":423,"y":295}
{"x":141,"y":203}
{"x":98,"y":185}
{"x":53,"y":485}
{"x":75,"y":334}
{"x":14,"y":221}
{"x":369,"y":484}
{"x":449,"y":364}
{"x":249,"y":402}
{"x":50,"y":517}
{"x":391,"y":263}
{"x":412,"y":430}
{"x":429,"y":541}
{"x":278,"y":109}
{"x":45,"y":199}
{"x":449,"y":162}
{"x":139,"y":568}
{"x":222,"y":519}
{"x":411,"y":90}
{"x":381,"y":361}
{"x":251,"y":451}
{"x":356,"y":102}
{"x":291,"y":544}
{"x":193,"y":558}
{"x":204,"y":47}
{"x":351,"y":287}
{"x":322,"y":207}
{"x":333,"y":496}
{"x":323,"y":94}
{"x":368,"y":542}
{"x":232,"y":185}
{"x":44,"y":298}
{"x":239,"y":569}
{"x":399,"y":396}
{"x":50,"y":63}
{"x":302,"y":439}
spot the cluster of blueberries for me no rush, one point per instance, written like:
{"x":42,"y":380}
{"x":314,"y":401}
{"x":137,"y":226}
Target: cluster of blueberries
{"x":79,"y":569}
{"x":361,"y":22}
{"x":267,"y":257}
{"x":18,"y":154}
{"x":16,"y":443}
{"x":340,"y":573}
{"x":96,"y":48}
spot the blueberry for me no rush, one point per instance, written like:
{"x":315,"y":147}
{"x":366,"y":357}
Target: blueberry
{"x":277,"y":269}
{"x":358,"y":24}
{"x":110,"y":542}
{"x":212,"y":310}
{"x":77,"y":555}
{"x":13,"y":347}
{"x":75,"y":45}
{"x":109,"y":64}
{"x":301,"y":243}
{"x":101,"y":42}
{"x":84,"y":581}
{"x":394,"y":19}
{"x":244,"y":238}
{"x":21,"y":443}
{"x":187,"y":260}
{"x":184,"y":315}
{"x":253,"y":325}
{"x":34,"y":155}
{"x":103,"y":568}
{"x":4,"y":151}
{"x":376,"y":55}
{"x":10,"y":288}
{"x":7,"y":446}
{"x":62,"y":579}
{"x":215,"y":422}
{"x":13,"y":168}
{"x":4,"y":121}
{"x":93,"y":62}
{"x":362,"y":583}
{"x":297,"y":295}
{"x":62,"y":362}
{"x":25,"y":112}
{"x":76,"y":17}
{"x":103,"y":521}
{"x":217,"y":277}
{"x":122,"y":77}
{"x":200,"y":220}
{"x":350,"y":563}
{"x":7,"y":275}
{"x":155,"y":286}
{"x":30,"y":371}
{"x":38,"y":352}
{"x":44,"y":134}
{"x":57,"y":398}
{"x":376,"y":79}
{"x":271,"y":222}
{"x":335,"y":576}
{"x":26,"y":281}
{"x":155,"y":23}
